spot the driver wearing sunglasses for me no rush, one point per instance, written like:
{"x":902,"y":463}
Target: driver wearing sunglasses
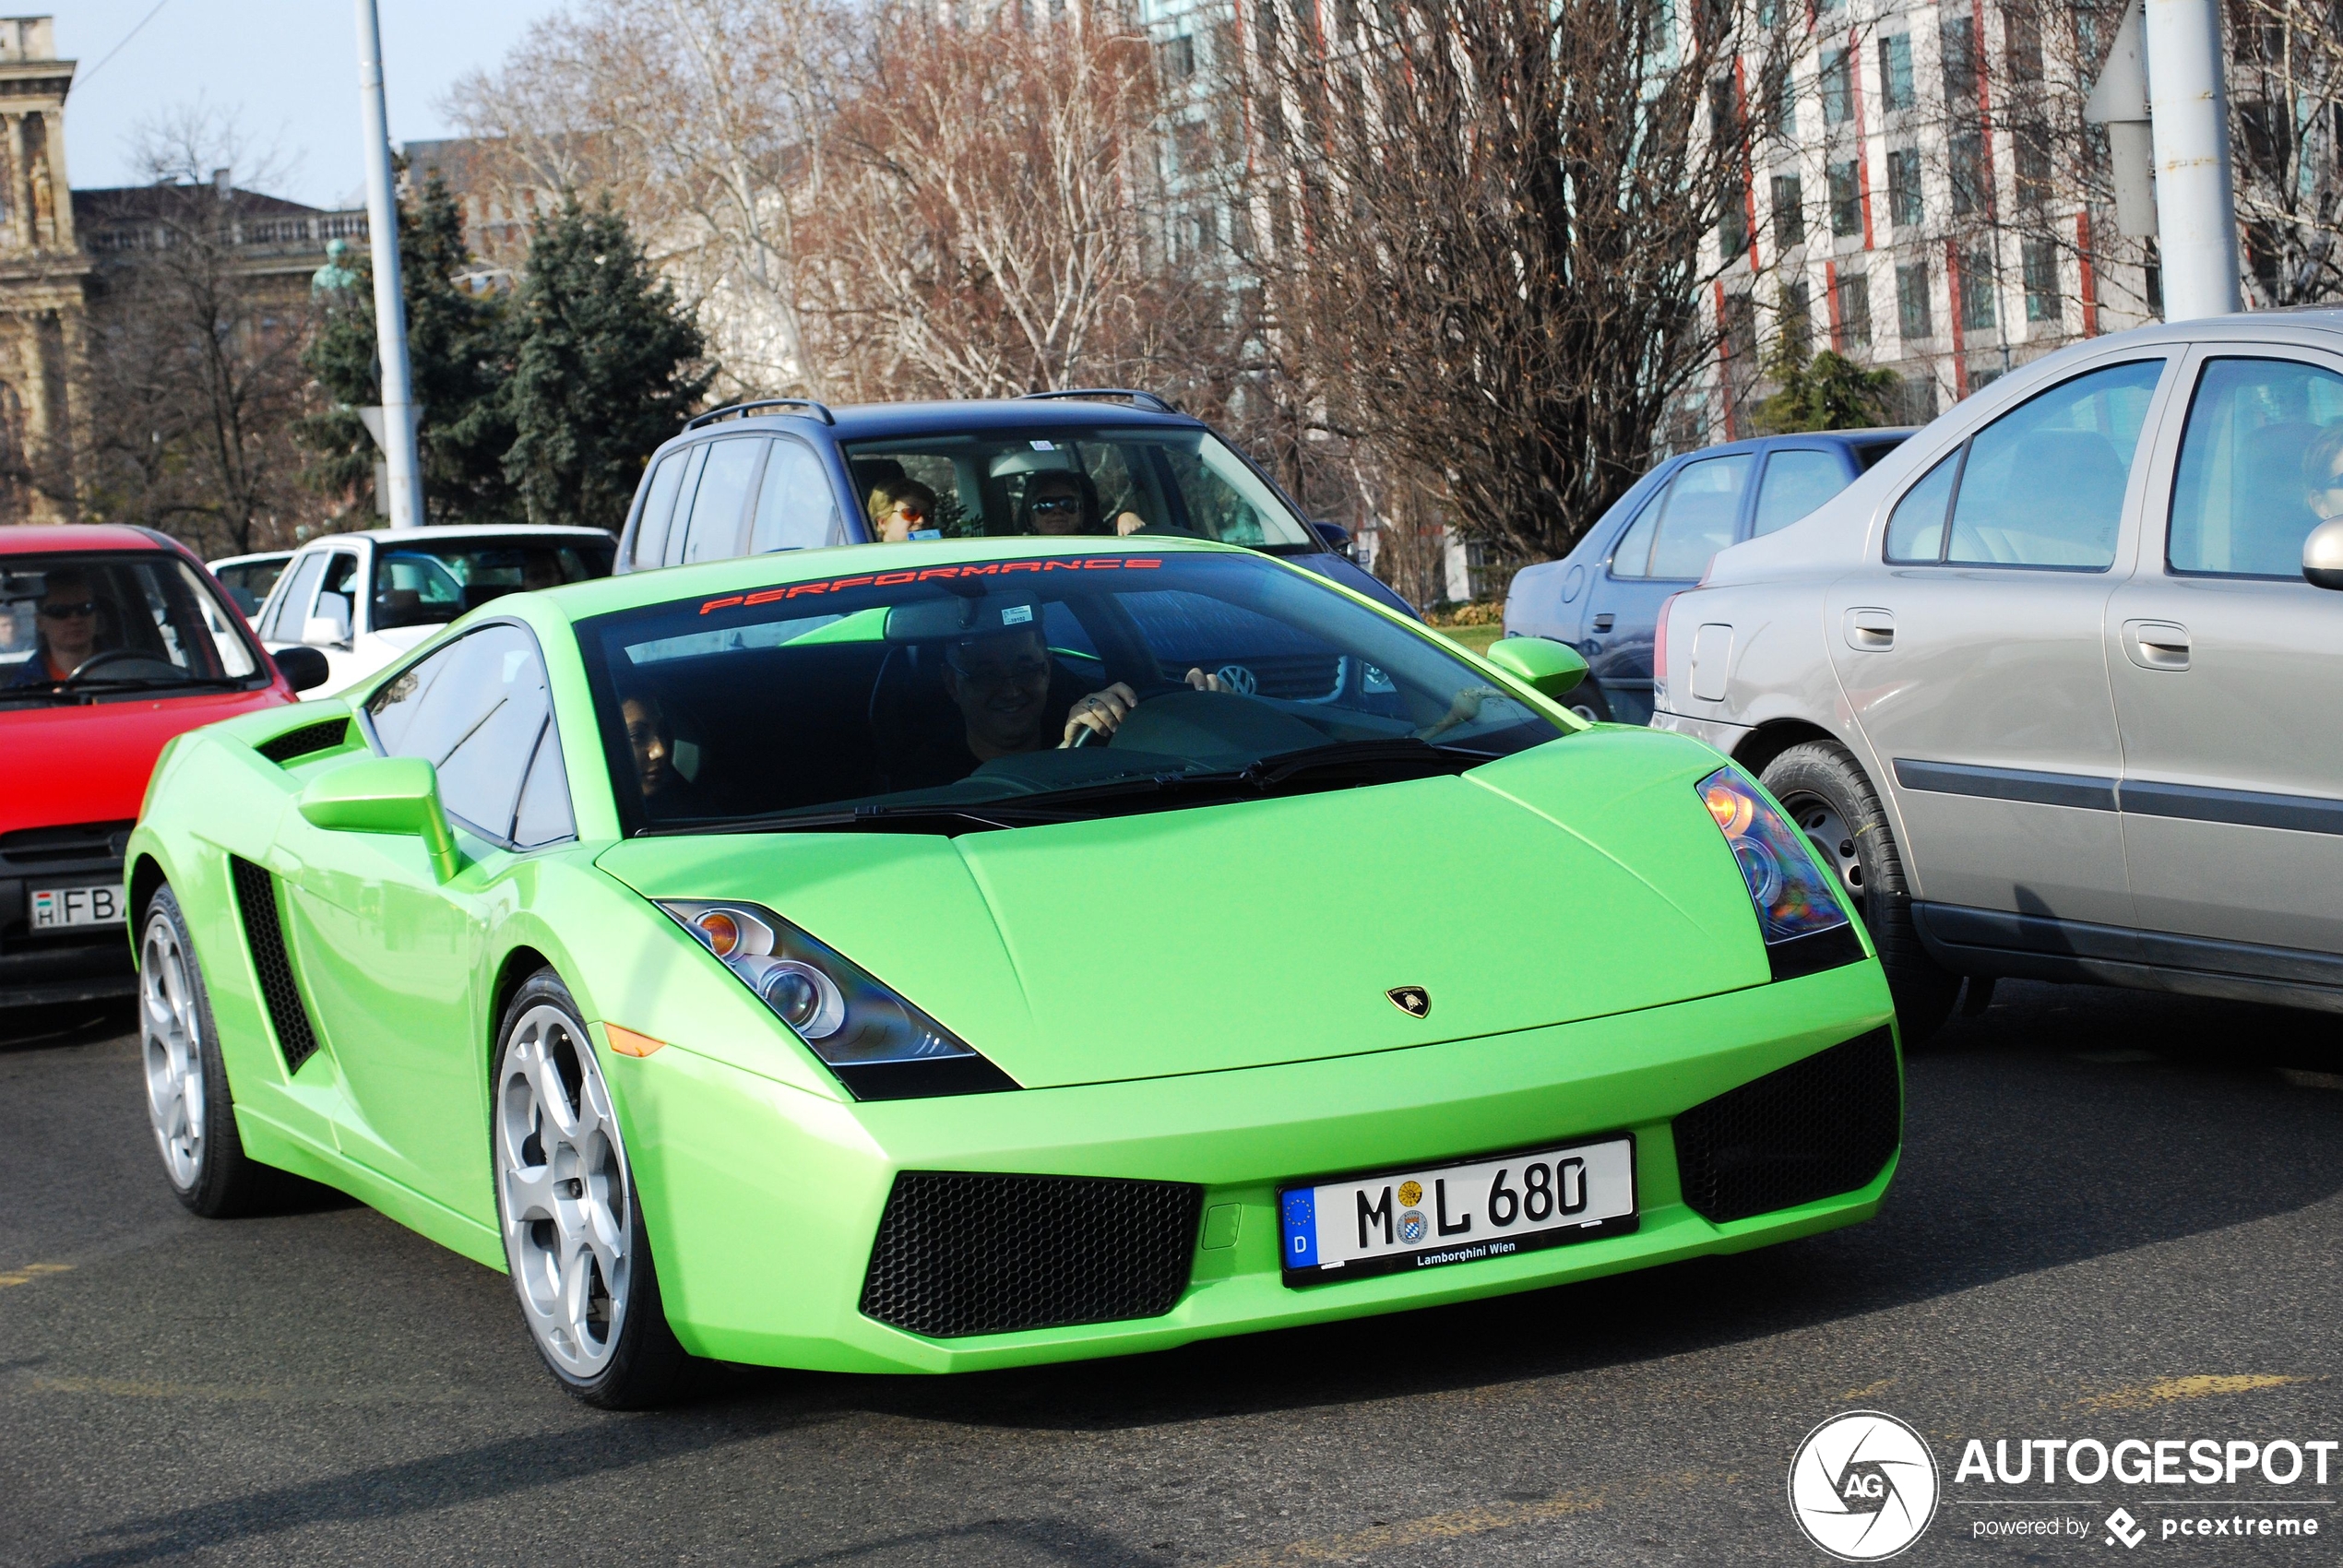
{"x":66,"y":631}
{"x":1001,"y":686}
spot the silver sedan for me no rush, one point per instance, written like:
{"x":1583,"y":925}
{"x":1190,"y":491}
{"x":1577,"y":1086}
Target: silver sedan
{"x":2058,"y":686}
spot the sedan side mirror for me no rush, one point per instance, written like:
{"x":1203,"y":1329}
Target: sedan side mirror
{"x":1549,"y":669}
{"x":303,"y":668}
{"x":384,"y":794}
{"x":1336,"y":536}
{"x":2323,"y":554}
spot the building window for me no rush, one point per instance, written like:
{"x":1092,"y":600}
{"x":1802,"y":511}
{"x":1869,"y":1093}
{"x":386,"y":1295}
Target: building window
{"x":1846,"y":199}
{"x":1839,"y":88}
{"x":1732,"y":224}
{"x":1977,"y":291}
{"x":1192,"y":147}
{"x":1896,"y":73}
{"x":1176,"y":58}
{"x":1968,"y":160}
{"x":2033,"y":149}
{"x":1912,"y":318}
{"x":1903,"y":188}
{"x":1957,"y":41}
{"x":1854,"y":310}
{"x":2042,"y":300}
{"x":1786,"y":110}
{"x":2022,"y":31}
{"x":1798,"y":321}
{"x":1790,"y":212}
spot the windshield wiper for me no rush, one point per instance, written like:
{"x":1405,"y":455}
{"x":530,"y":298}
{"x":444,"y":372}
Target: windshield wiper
{"x":1375,"y":761}
{"x":951,"y":821}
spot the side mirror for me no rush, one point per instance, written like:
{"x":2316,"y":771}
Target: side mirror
{"x":329,"y":628}
{"x":384,"y":794}
{"x":305,"y":668}
{"x":1551,"y":669}
{"x":1337,"y":537}
{"x":2323,"y":554}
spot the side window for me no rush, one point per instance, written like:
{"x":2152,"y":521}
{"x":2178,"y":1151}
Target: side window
{"x":794,"y":507}
{"x":1678,"y":533}
{"x":2041,"y":486}
{"x":714,"y":532}
{"x":1796,"y":482}
{"x":337,"y":599}
{"x":479,"y":712}
{"x":659,"y":505}
{"x":1916,"y":529}
{"x":284,"y":621}
{"x":2261,"y":465}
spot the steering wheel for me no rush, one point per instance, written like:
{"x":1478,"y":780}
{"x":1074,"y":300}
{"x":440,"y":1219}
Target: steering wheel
{"x":1090,"y":737}
{"x":116,"y":655}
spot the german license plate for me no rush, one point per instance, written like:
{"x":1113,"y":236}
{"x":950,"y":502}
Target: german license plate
{"x":1449,"y":1214}
{"x":54,"y":909}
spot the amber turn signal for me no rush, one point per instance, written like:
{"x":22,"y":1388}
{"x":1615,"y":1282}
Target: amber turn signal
{"x":626,"y":1043}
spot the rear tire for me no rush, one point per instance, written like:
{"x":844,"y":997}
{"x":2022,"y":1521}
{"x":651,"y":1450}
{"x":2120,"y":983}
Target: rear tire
{"x":189,"y":1105}
{"x":1824,"y":789}
{"x":569,"y":1213}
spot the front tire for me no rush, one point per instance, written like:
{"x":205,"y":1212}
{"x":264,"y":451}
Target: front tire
{"x":1824,"y":789}
{"x":189,"y":1106}
{"x":568,"y":1210}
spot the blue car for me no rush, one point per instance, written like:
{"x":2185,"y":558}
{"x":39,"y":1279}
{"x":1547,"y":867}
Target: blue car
{"x":1604,"y":597}
{"x":788,"y":474}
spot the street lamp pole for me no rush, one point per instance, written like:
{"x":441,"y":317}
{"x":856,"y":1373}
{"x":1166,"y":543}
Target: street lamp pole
{"x":398,"y":433}
{"x":2196,"y":198}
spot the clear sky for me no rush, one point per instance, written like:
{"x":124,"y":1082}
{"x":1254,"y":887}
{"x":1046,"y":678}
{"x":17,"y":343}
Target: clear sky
{"x":288,"y":68}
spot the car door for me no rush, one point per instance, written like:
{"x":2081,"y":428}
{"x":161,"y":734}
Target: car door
{"x":1663,"y":551}
{"x":2228,"y":669}
{"x":394,"y":957}
{"x":1970,"y":651}
{"x":340,"y":602}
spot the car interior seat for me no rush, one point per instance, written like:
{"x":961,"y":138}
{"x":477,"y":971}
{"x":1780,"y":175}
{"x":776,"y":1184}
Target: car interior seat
{"x":2272,"y":511}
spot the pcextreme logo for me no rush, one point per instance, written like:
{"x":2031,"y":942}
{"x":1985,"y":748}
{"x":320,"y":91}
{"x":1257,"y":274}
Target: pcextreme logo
{"x":1862,"y":1485}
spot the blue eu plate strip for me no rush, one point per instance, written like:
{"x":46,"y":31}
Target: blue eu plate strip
{"x":1302,"y":1228}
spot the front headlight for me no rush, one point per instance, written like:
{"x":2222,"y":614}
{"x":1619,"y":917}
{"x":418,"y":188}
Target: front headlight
{"x":1804,"y":925}
{"x":879,"y":1045}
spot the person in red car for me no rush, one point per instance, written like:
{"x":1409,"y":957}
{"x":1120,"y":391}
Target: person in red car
{"x":67,"y":620}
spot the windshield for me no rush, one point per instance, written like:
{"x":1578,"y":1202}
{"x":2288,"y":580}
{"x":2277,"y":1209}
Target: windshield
{"x":424,"y":585}
{"x":1109,"y":480}
{"x":1017,"y":680}
{"x":108,"y":622}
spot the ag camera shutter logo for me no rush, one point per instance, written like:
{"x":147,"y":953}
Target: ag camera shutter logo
{"x":1862,"y":1485}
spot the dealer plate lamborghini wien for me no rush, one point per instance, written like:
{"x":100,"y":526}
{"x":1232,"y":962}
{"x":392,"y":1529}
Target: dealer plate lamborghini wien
{"x":977,"y":953}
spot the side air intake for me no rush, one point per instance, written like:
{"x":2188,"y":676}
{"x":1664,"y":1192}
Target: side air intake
{"x":264,"y":934}
{"x":305,"y":741}
{"x":1814,"y":1129}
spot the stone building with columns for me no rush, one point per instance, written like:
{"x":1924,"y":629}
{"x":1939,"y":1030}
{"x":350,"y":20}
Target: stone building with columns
{"x":60,"y":247}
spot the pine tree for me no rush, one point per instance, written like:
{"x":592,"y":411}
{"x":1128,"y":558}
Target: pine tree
{"x":458,"y":357}
{"x":606,"y":366}
{"x":1826,"y":392}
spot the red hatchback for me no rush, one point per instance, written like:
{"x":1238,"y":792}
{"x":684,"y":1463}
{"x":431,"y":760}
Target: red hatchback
{"x":112,"y":641}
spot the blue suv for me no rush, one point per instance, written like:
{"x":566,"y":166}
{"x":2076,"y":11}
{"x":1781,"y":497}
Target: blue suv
{"x":786,"y":473}
{"x":1604,"y":597}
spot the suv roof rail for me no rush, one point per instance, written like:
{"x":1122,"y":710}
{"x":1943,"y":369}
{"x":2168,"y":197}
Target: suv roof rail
{"x":1148,"y":401}
{"x":742,"y":410}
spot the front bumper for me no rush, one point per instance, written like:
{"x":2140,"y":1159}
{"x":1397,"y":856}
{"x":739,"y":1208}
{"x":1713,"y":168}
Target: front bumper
{"x":762,"y":1201}
{"x":80,"y":964}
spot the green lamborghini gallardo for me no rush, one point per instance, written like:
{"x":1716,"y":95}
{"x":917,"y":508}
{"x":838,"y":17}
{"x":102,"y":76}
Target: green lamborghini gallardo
{"x":976,"y":952}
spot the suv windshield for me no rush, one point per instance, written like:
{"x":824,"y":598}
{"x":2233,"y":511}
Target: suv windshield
{"x":1107,"y":480}
{"x":110,"y":622}
{"x":1045,"y":683}
{"x":419,"y":584}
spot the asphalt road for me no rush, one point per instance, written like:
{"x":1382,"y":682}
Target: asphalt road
{"x":2118,"y":1216}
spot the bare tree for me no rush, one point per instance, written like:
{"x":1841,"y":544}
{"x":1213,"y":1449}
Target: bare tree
{"x":195,"y":355}
{"x":1482,"y":231}
{"x":2286,"y":93}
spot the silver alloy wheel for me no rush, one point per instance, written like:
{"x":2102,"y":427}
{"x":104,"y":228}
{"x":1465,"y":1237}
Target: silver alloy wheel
{"x":1831,"y":835}
{"x":566,"y":1201}
{"x":171,"y":1035}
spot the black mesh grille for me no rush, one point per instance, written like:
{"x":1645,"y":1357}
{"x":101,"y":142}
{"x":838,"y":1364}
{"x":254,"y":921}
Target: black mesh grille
{"x":965,"y":1254}
{"x":257,"y":895}
{"x":323,"y":736}
{"x":1814,"y":1129}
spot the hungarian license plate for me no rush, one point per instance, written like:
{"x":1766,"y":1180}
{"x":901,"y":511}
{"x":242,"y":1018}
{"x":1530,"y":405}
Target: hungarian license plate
{"x":1448,"y":1214}
{"x":54,"y":909}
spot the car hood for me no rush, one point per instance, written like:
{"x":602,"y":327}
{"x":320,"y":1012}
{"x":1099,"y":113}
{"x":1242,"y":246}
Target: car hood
{"x":1579,"y":879}
{"x":90,"y":764}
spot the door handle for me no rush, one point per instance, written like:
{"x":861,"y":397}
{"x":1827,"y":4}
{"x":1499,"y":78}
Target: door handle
{"x":1871,"y":631}
{"x":2157,"y":645}
{"x":1603,"y":621}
